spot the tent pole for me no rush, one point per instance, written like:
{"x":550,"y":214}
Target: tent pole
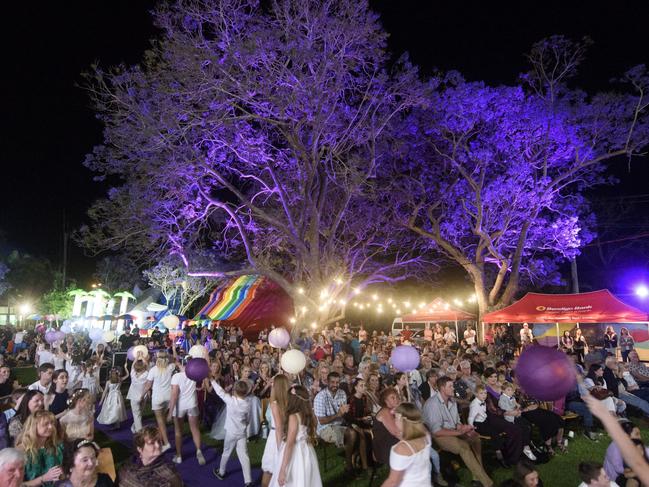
{"x":483,"y":333}
{"x":558,"y":340}
{"x":457,"y":332}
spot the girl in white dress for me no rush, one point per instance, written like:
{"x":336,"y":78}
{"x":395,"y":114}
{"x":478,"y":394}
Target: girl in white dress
{"x":275,"y":420}
{"x":89,"y":380}
{"x":159,"y":382}
{"x":297,"y":463}
{"x":410,"y":458}
{"x":139,"y":373}
{"x":113,"y":410}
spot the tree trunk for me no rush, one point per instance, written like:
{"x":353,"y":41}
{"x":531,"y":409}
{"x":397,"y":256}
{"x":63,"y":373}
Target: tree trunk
{"x":574,"y":275}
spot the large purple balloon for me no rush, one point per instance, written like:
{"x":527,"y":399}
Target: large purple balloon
{"x":130,"y":353}
{"x":197,"y":369}
{"x":405,"y":358}
{"x":545,"y":373}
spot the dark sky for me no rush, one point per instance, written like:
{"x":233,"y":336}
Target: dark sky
{"x":46,"y":125}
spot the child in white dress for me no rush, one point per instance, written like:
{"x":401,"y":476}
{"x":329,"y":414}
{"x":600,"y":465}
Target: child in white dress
{"x":89,"y":380}
{"x":275,"y":420}
{"x":139,"y":373}
{"x":113,"y":410}
{"x":297,"y":463}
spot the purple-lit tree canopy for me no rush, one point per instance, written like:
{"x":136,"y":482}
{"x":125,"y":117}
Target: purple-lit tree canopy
{"x":254,"y":133}
{"x":493,"y":177}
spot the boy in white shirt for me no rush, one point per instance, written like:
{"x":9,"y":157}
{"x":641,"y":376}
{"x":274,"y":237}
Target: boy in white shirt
{"x":237,"y":417}
{"x":183,"y":402}
{"x":44,"y":381}
{"x":478,"y":419}
{"x":593,"y":475}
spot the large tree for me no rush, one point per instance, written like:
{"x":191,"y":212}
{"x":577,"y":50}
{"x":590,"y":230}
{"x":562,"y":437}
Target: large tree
{"x":493,"y":177}
{"x":253,"y":130}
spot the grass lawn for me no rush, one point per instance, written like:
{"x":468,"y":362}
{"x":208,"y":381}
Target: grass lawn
{"x":560,"y":471}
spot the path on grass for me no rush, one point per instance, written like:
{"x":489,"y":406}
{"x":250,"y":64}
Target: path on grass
{"x":192,"y":473}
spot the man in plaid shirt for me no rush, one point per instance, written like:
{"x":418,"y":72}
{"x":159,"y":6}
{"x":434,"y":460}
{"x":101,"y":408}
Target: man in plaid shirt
{"x":330,"y":406}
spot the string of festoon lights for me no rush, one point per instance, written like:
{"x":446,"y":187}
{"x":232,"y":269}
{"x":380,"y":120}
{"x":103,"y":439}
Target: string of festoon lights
{"x":375,"y":303}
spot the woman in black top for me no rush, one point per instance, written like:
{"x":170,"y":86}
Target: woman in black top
{"x":57,"y":399}
{"x":359,"y":417}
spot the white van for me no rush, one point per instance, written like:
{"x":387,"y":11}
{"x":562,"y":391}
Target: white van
{"x":398,"y":325}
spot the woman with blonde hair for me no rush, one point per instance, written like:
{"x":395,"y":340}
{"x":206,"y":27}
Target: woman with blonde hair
{"x":275,"y":419}
{"x":410,"y":458}
{"x":159,"y":382}
{"x":43,"y":448}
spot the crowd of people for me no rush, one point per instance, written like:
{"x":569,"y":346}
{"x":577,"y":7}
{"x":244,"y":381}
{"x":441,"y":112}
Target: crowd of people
{"x":348,"y":395}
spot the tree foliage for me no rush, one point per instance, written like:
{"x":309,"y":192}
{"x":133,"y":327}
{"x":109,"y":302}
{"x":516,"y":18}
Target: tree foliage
{"x":254,"y":132}
{"x":180,"y":290}
{"x":495,"y":176}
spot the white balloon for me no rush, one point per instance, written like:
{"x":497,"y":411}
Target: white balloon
{"x":96,"y":334}
{"x":198,"y":351}
{"x":293,"y":361}
{"x":171,"y":321}
{"x":108,"y":336}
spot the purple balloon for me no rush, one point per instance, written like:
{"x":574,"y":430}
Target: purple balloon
{"x":545,"y":373}
{"x":50,"y":336}
{"x":130,"y":354}
{"x":60,"y":336}
{"x":197,"y":369}
{"x":279,"y":338}
{"x":405,"y":358}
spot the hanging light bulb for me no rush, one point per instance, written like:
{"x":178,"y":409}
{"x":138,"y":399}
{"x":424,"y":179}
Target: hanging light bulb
{"x":375,"y":297}
{"x":398,"y":311}
{"x":300,"y":290}
{"x":357,"y":290}
{"x":292,"y":320}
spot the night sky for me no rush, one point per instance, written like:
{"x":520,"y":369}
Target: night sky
{"x":47,"y":126}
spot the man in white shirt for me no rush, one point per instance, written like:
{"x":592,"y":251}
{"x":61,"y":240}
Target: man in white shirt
{"x":443,"y":420}
{"x":593,"y":475}
{"x":44,"y":381}
{"x":469,"y":335}
{"x":183,"y":402}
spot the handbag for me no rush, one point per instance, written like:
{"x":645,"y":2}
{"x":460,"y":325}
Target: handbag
{"x":600,"y":393}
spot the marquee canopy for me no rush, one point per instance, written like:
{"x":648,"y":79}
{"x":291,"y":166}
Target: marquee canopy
{"x":437,"y":310}
{"x":593,"y":307}
{"x":249,"y":302}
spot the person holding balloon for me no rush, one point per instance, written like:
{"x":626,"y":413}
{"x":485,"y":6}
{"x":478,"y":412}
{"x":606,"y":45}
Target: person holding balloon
{"x":139,"y":372}
{"x":185,"y":403}
{"x":159,"y":382}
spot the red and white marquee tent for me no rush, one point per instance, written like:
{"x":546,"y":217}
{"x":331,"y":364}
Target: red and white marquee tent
{"x":593,"y":307}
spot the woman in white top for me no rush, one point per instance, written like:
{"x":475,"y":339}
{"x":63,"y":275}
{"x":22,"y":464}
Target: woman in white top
{"x":410,"y":458}
{"x":159,"y":381}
